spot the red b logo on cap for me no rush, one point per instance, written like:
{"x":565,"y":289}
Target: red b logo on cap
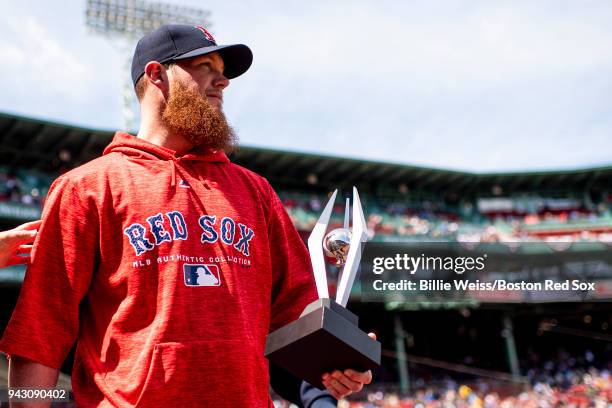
{"x":208,"y":35}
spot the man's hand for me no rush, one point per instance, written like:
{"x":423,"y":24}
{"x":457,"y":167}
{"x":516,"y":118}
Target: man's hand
{"x":341,"y":384}
{"x":14,"y":248}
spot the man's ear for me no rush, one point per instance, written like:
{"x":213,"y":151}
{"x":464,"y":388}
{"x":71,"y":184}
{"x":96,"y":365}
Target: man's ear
{"x":155,"y":74}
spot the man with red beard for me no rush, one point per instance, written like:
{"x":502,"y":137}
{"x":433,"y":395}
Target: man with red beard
{"x":167,"y":263}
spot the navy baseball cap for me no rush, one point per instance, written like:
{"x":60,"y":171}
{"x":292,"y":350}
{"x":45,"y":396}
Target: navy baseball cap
{"x":175,"y":42}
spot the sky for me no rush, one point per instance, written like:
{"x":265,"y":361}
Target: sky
{"x":457,"y":84}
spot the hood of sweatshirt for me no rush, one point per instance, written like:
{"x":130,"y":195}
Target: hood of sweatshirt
{"x":132,"y":146}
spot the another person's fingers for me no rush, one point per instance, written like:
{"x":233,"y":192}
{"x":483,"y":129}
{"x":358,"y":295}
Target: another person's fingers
{"x":16,"y":237}
{"x":24,"y":249}
{"x":32,"y":225}
{"x":372,"y":335}
{"x":17,"y":260}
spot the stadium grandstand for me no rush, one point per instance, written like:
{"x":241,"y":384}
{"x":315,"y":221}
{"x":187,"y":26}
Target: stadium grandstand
{"x":477,"y":351}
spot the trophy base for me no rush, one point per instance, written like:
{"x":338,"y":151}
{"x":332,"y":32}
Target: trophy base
{"x":323,"y":339}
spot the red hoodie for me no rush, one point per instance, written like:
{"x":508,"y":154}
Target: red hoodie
{"x":169,"y":271}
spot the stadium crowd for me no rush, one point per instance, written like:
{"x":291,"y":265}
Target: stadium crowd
{"x":592,"y":390}
{"x":564,"y":381}
{"x":24,"y":187}
{"x":427,"y":220}
{"x":399,"y":216}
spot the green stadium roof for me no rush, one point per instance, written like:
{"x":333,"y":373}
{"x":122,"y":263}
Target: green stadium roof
{"x":37,"y":144}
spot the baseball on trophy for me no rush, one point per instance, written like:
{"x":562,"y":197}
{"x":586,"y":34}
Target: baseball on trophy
{"x":336,"y":244}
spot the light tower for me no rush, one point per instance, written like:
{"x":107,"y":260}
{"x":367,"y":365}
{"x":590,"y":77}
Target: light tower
{"x":124,"y":22}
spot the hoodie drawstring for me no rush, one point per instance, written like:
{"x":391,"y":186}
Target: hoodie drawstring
{"x":175,"y":171}
{"x":173,"y":183}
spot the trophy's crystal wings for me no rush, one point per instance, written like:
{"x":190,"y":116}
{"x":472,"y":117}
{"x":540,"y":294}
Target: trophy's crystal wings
{"x":359,"y":235}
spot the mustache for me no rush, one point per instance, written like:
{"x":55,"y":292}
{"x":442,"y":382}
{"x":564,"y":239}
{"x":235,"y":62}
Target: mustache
{"x":190,"y":114}
{"x":214,"y":93}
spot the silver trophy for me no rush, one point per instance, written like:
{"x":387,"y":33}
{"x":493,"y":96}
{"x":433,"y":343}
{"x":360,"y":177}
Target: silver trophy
{"x":342,"y":243}
{"x":326,"y":337}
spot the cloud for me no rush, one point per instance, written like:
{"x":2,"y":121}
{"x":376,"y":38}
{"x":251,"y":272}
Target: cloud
{"x":479,"y":44}
{"x":471,"y":85}
{"x":39,"y":61}
{"x":57,"y":70}
{"x":475,"y":84}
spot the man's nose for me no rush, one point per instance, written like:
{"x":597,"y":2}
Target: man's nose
{"x":221,"y":82}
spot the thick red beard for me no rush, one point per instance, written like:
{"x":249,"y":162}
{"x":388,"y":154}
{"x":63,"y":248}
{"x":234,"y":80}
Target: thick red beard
{"x":191,"y":115}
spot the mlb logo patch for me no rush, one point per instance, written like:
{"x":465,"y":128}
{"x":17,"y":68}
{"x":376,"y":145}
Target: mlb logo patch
{"x":201,"y":275}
